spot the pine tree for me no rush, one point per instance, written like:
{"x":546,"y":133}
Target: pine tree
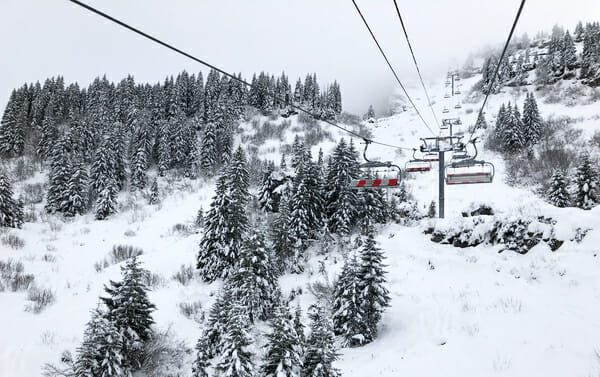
{"x":320,"y":349}
{"x":130,"y":309}
{"x":341,"y":201}
{"x":77,"y":189}
{"x":586,"y":184}
{"x":60,"y":170}
{"x":202,"y":361}
{"x":370,"y":113}
{"x":432,"y":211}
{"x":9,"y":211}
{"x":218,"y":319}
{"x":101,"y":353}
{"x":306,"y":204}
{"x":235,"y":359}
{"x":199,"y":221}
{"x":154,"y":193}
{"x":209,"y":149}
{"x":558,"y":194}
{"x":299,"y":327}
{"x":254,"y":282}
{"x":569,"y":53}
{"x":106,"y":202}
{"x":282,"y":240}
{"x":532,"y":122}
{"x":283,"y":357}
{"x":374,"y":296}
{"x":348,"y":321}
{"x":579,"y":32}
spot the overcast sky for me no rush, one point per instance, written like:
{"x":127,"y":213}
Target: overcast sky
{"x":41,"y":38}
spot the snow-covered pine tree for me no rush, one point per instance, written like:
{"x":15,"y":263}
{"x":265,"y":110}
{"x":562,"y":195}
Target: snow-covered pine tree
{"x":217,"y":324}
{"x":76,"y":195}
{"x":281,"y":237}
{"x":235,"y":359}
{"x":512,"y":137}
{"x":432,"y":211}
{"x":163,"y":147}
{"x":299,"y":327}
{"x":370,"y":113}
{"x":532,"y":122}
{"x":265,"y":192}
{"x":558,"y":193}
{"x":569,"y":53}
{"x":9,"y":212}
{"x":199,"y":220}
{"x":340,"y":200}
{"x":283,"y":356}
{"x":254,"y":282}
{"x":320,"y":347}
{"x":106,"y":201}
{"x":130,"y":309}
{"x":58,"y":178}
{"x":579,"y":31}
{"x":481,"y":122}
{"x":208,"y":150}
{"x":348,"y":321}
{"x":154,"y":193}
{"x":202,"y":360}
{"x":586,"y":184}
{"x":101,"y":353}
{"x":49,"y":134}
{"x":374,"y":295}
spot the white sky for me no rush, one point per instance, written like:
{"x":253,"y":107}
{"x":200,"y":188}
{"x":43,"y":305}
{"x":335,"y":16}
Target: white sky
{"x":41,"y":38}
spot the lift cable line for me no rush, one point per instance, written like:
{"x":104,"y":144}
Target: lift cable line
{"x":231,"y":76}
{"x":391,"y":67}
{"x":415,"y":61}
{"x":491,"y":86}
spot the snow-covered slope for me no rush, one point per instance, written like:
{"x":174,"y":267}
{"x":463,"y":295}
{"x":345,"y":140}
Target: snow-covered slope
{"x":455,"y":312}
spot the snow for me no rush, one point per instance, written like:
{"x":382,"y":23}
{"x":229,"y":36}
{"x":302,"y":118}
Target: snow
{"x":477,"y":312}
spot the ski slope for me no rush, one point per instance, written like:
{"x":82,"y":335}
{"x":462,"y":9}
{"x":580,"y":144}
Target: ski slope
{"x":477,"y":312}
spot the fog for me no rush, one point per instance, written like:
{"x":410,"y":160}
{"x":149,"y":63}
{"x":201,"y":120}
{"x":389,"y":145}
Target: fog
{"x":41,"y":38}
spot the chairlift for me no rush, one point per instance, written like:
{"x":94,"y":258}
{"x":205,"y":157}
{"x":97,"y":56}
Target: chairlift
{"x":446,"y":95}
{"x":457,"y":78}
{"x":431,"y":157}
{"x":445,"y":111}
{"x":469,"y":170}
{"x":458,"y":106}
{"x":367,"y":182}
{"x":457,"y":91}
{"x":417,"y":164}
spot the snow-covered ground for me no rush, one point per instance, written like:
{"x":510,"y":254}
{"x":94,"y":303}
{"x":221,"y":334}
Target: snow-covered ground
{"x":477,"y":312}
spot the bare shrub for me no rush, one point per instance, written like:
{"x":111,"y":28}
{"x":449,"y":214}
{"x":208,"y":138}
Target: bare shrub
{"x":33,"y":193}
{"x":192,"y":310}
{"x":184,"y":275}
{"x":120,"y":253}
{"x":153,"y":280}
{"x":13,"y":241}
{"x":183,"y":229}
{"x":164,"y":355}
{"x":50,"y":258}
{"x":40,"y":299}
{"x":322,"y":289}
{"x":24,"y":169}
{"x":129,"y":233}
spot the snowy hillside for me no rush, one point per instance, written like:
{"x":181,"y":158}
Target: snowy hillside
{"x":454,"y":311}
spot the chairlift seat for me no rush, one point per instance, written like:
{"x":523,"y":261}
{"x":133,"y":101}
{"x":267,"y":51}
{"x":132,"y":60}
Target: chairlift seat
{"x":458,"y":106}
{"x":417,"y":166}
{"x":445,"y":110}
{"x":374,"y":183}
{"x":469,"y":178}
{"x":430,"y":157}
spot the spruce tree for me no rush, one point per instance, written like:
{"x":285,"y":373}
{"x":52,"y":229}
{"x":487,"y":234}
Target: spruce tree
{"x":532,"y":122}
{"x":202,"y":360}
{"x":9,"y":211}
{"x":130,"y":309}
{"x":218,"y":319}
{"x":283,"y":357}
{"x":432,"y":211}
{"x":340,"y":200}
{"x":348,"y":321}
{"x":586,"y":184}
{"x":282,"y":240}
{"x":254,"y":281}
{"x":58,"y":177}
{"x":569,"y":53}
{"x":374,"y":295}
{"x":199,"y":221}
{"x":209,"y":150}
{"x":106,"y":202}
{"x":154,"y":193}
{"x":558,"y":193}
{"x":77,"y":189}
{"x":320,"y":348}
{"x":235,"y":359}
{"x":102,"y":350}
